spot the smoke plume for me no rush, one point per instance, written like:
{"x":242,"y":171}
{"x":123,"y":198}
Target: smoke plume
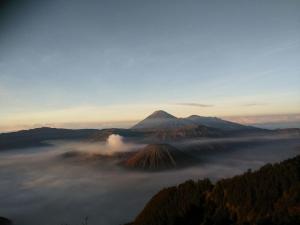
{"x":115,"y":142}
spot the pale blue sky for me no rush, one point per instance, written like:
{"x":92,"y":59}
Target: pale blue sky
{"x":103,"y":57}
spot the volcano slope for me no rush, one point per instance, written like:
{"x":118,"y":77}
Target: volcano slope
{"x":156,"y":157}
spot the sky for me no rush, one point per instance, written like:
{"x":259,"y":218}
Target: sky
{"x":88,"y":63}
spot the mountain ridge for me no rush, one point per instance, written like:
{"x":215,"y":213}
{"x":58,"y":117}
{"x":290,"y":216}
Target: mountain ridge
{"x":163,"y":120}
{"x":160,"y":119}
{"x":166,"y":127}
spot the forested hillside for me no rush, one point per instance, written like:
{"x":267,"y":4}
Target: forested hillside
{"x":270,"y":195}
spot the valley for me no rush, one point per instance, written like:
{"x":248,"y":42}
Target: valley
{"x":109,"y":175}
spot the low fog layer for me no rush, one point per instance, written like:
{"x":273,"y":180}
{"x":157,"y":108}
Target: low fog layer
{"x":114,"y":144}
{"x":38,"y":188}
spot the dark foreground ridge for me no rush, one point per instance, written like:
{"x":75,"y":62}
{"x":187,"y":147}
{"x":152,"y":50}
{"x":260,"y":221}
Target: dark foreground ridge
{"x":5,"y":221}
{"x":269,"y":196}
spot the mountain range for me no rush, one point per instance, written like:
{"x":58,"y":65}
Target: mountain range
{"x":157,"y":127}
{"x":38,"y":136}
{"x":163,"y":120}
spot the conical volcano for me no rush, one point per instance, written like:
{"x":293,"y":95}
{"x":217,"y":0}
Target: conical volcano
{"x":160,"y":114}
{"x":160,"y":120}
{"x":157,"y":157}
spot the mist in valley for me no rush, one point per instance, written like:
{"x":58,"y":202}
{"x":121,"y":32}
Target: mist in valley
{"x":39,"y":186}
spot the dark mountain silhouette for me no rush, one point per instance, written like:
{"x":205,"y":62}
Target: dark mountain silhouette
{"x":288,"y":131}
{"x":163,"y":126}
{"x":5,"y":221}
{"x":184,"y":132}
{"x":157,"y":157}
{"x":218,"y":123}
{"x":163,"y":120}
{"x":36,"y":137}
{"x":159,"y":126}
{"x":269,"y":196}
{"x":161,"y":114}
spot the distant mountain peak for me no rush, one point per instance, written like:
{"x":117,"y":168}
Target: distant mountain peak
{"x":158,"y":119}
{"x":162,"y":120}
{"x":160,"y":114}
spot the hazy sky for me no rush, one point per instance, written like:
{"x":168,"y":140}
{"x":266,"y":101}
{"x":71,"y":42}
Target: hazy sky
{"x":80,"y":62}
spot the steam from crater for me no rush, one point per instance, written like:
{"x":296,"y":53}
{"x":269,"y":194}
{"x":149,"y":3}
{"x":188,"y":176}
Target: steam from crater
{"x":115,"y":142}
